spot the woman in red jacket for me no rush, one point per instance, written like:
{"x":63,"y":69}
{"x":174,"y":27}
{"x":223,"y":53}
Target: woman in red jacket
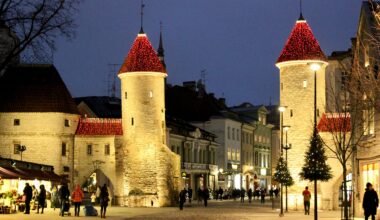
{"x":77,"y":197}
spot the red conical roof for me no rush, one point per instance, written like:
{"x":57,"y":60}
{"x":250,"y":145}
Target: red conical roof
{"x":142,"y":57}
{"x":301,"y":45}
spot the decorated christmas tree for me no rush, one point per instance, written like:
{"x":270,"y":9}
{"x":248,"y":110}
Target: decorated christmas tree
{"x":282,"y":174}
{"x":316,"y":167}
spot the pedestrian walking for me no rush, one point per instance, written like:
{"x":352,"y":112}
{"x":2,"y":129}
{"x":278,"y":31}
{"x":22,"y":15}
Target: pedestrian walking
{"x":262,"y":195}
{"x":306,"y":200}
{"x":206,"y":195}
{"x":28,"y":194}
{"x":104,"y":198}
{"x":77,"y":197}
{"x":276,"y":192}
{"x":220,"y":192}
{"x":370,"y":202}
{"x":242,"y":195}
{"x":64,"y":194}
{"x":54,"y":198}
{"x":250,"y":195}
{"x":190,"y":193}
{"x":199,"y":194}
{"x":182,"y":198}
{"x":41,"y":199}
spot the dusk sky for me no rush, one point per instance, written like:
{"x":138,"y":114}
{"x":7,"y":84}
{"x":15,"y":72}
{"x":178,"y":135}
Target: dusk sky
{"x":237,"y":42}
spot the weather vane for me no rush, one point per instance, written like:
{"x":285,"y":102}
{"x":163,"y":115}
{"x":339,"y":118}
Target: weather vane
{"x":142,"y":16}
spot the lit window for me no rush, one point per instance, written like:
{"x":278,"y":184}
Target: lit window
{"x":304,"y":83}
{"x":16,"y":148}
{"x":16,"y":122}
{"x":150,"y":94}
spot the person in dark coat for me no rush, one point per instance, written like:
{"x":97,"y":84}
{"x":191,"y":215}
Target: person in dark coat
{"x":104,"y":198}
{"x":370,"y":202}
{"x":220,"y":192}
{"x":28,"y":193}
{"x":242,"y":195}
{"x":182,"y":198}
{"x":199,"y":194}
{"x":250,"y":195}
{"x":190,"y":193}
{"x":41,"y":199}
{"x":206,"y":195}
{"x":262,"y":195}
{"x":64,"y":194}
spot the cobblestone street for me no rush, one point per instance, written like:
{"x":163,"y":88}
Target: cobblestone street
{"x":216,"y":210}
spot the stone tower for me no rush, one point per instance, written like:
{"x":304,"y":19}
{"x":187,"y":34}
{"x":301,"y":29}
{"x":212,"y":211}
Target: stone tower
{"x":150,"y":170}
{"x":297,"y":94}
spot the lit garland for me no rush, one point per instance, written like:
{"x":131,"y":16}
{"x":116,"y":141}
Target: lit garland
{"x":142,"y":57}
{"x":335,"y":122}
{"x":301,"y":45}
{"x":99,"y":126}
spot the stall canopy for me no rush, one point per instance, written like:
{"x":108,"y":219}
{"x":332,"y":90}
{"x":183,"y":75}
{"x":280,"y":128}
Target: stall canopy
{"x":12,"y":169}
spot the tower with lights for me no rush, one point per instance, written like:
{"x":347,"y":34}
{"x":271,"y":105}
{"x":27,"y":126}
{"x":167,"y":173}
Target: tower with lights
{"x":296,"y":63}
{"x":150,"y":170}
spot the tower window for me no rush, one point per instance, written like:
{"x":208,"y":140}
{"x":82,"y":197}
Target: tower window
{"x":67,"y":123}
{"x":107,"y":149}
{"x":150,"y":94}
{"x":304,"y":83}
{"x":63,"y":149}
{"x":89,"y":149}
{"x":132,"y":121}
{"x":125,"y":95}
{"x":16,"y":122}
{"x":291,"y":112}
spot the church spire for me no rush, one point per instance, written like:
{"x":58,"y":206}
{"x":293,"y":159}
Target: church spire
{"x":160,"y":50}
{"x":301,"y":18}
{"x":142,"y":17}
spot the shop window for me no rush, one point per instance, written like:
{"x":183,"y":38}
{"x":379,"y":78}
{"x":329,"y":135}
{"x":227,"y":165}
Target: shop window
{"x":107,"y":149}
{"x":16,"y":122}
{"x":371,"y":174}
{"x":89,"y":149}
{"x":63,"y":149}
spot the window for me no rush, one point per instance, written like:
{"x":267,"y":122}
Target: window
{"x":89,"y":149}
{"x":107,"y":149}
{"x":371,"y":174}
{"x":368,"y":121}
{"x":243,"y":137}
{"x":260,"y":159}
{"x":256,"y":158}
{"x":132,"y":121}
{"x":16,"y":122}
{"x":233,"y":133}
{"x":304,"y":84}
{"x":67,"y":123}
{"x":63,"y":149}
{"x":16,"y":148}
{"x":228,"y":132}
{"x":229,"y":154}
{"x":125,"y":95}
{"x":150,"y":94}
{"x":238,"y":134}
{"x":291,"y":112}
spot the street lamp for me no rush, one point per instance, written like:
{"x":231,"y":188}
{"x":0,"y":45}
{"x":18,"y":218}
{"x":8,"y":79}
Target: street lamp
{"x":282,"y":110}
{"x":315,"y":67}
{"x":286,"y":148}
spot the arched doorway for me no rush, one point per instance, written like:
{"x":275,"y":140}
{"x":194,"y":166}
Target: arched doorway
{"x":96,"y":179}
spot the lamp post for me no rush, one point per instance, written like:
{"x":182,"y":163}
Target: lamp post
{"x":315,"y":67}
{"x":282,"y":110}
{"x":286,"y":148}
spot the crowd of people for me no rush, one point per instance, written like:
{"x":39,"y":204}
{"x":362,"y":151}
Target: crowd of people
{"x":62,"y":198}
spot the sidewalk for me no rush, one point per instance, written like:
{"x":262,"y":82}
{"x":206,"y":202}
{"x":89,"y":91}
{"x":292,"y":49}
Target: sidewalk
{"x":228,"y":210}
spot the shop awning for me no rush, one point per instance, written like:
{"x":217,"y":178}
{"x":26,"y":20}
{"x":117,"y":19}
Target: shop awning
{"x":28,"y":174}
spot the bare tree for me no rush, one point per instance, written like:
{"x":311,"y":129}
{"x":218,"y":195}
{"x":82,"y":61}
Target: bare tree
{"x":34,"y":25}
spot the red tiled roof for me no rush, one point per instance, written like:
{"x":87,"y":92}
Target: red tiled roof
{"x":99,"y":126}
{"x":301,"y":45}
{"x":335,"y":122}
{"x":142,"y":57}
